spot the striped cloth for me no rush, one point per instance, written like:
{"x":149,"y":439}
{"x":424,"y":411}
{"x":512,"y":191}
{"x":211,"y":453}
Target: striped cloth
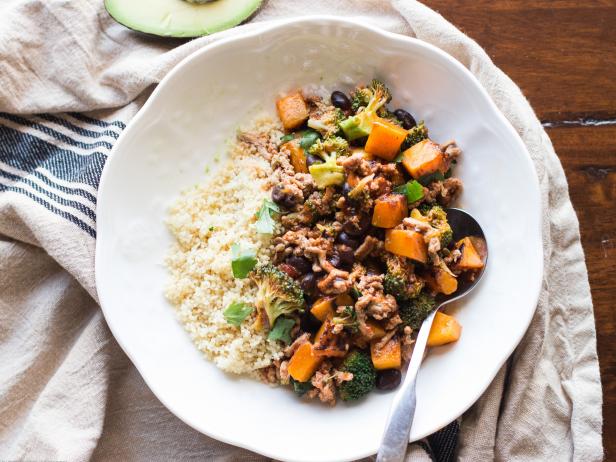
{"x":56,"y":160}
{"x":70,"y":81}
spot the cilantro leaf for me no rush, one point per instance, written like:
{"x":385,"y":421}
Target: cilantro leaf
{"x":242,"y":261}
{"x":286,"y":138}
{"x":309,"y":137}
{"x":265,"y":223}
{"x":236,"y":312}
{"x":282,"y":330}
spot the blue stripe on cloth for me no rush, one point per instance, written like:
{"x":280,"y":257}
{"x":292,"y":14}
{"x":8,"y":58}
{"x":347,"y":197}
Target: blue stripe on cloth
{"x":100,"y":123}
{"x":79,"y":130}
{"x":56,"y":134}
{"x":56,"y":198}
{"x":57,"y":211}
{"x":26,"y":152}
{"x":76,"y":190}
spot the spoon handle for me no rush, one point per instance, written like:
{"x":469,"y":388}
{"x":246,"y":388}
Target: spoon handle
{"x":396,"y":436}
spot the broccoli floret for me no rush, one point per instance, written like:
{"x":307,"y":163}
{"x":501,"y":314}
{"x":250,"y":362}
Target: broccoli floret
{"x":329,"y":172}
{"x":401,"y":288}
{"x":413,"y":312}
{"x":360,"y":124}
{"x":332,"y":145}
{"x":277,"y":294}
{"x":360,"y":98}
{"x":363,"y":382}
{"x":326,"y":120}
{"x":348,"y":318}
{"x":400,"y":280}
{"x":436,"y":217}
{"x":416,"y":134}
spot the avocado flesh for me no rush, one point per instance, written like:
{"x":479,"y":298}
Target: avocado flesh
{"x":179,"y":18}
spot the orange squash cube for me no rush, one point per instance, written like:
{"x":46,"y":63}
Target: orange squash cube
{"x":385,"y":139}
{"x":303,"y":364}
{"x":424,"y":158}
{"x":389,"y":211}
{"x":445,"y":329}
{"x":298,"y":156}
{"x":406,"y":243}
{"x":446,"y":283}
{"x":292,"y":110}
{"x":344,"y":300}
{"x":388,"y":356}
{"x":322,"y":308}
{"x":470,"y":259}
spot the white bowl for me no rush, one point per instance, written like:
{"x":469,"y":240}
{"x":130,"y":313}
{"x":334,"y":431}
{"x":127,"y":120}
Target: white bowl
{"x":181,"y":129}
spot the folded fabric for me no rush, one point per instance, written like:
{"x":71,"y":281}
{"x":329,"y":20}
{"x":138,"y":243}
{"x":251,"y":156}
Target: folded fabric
{"x":67,"y":392}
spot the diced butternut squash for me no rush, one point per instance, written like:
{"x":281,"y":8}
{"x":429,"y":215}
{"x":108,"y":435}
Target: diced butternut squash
{"x":344,"y":300}
{"x":303,"y":364}
{"x":470,"y":258}
{"x":292,"y":110}
{"x":385,"y":139}
{"x":298,"y":156}
{"x":445,"y":329}
{"x":329,"y":343}
{"x":424,"y":158}
{"x":322,"y":308}
{"x":321,"y":331}
{"x":406,"y":243}
{"x":389,"y":211}
{"x":375,"y":330}
{"x":388,"y":356}
{"x":447,"y":284}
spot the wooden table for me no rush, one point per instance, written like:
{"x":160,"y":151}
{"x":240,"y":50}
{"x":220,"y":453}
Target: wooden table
{"x":562,"y":53}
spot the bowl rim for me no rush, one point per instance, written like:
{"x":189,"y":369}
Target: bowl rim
{"x":255,"y":30}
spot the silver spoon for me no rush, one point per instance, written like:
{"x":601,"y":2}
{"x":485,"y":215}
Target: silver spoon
{"x":396,"y":437}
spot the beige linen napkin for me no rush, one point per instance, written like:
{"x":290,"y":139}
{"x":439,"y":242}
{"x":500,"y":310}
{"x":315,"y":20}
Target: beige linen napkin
{"x":67,"y":392}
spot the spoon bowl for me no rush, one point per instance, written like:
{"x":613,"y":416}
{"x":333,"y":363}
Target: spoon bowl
{"x":396,"y":437}
{"x":464,"y":224}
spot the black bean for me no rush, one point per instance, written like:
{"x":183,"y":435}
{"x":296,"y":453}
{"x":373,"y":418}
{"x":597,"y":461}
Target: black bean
{"x":301,"y":264}
{"x":281,"y":196}
{"x":308,"y":323}
{"x":340,"y":100}
{"x":357,"y":227}
{"x":308,"y":283}
{"x":311,"y":160}
{"x":345,"y":239}
{"x":346,"y":256}
{"x":388,"y":379}
{"x":407,"y":120}
{"x":334,"y":259}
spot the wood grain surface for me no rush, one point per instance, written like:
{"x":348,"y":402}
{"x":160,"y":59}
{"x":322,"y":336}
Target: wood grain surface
{"x":562,"y":54}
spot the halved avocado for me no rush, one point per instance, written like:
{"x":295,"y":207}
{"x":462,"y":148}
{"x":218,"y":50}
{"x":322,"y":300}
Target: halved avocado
{"x":180,"y":18}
